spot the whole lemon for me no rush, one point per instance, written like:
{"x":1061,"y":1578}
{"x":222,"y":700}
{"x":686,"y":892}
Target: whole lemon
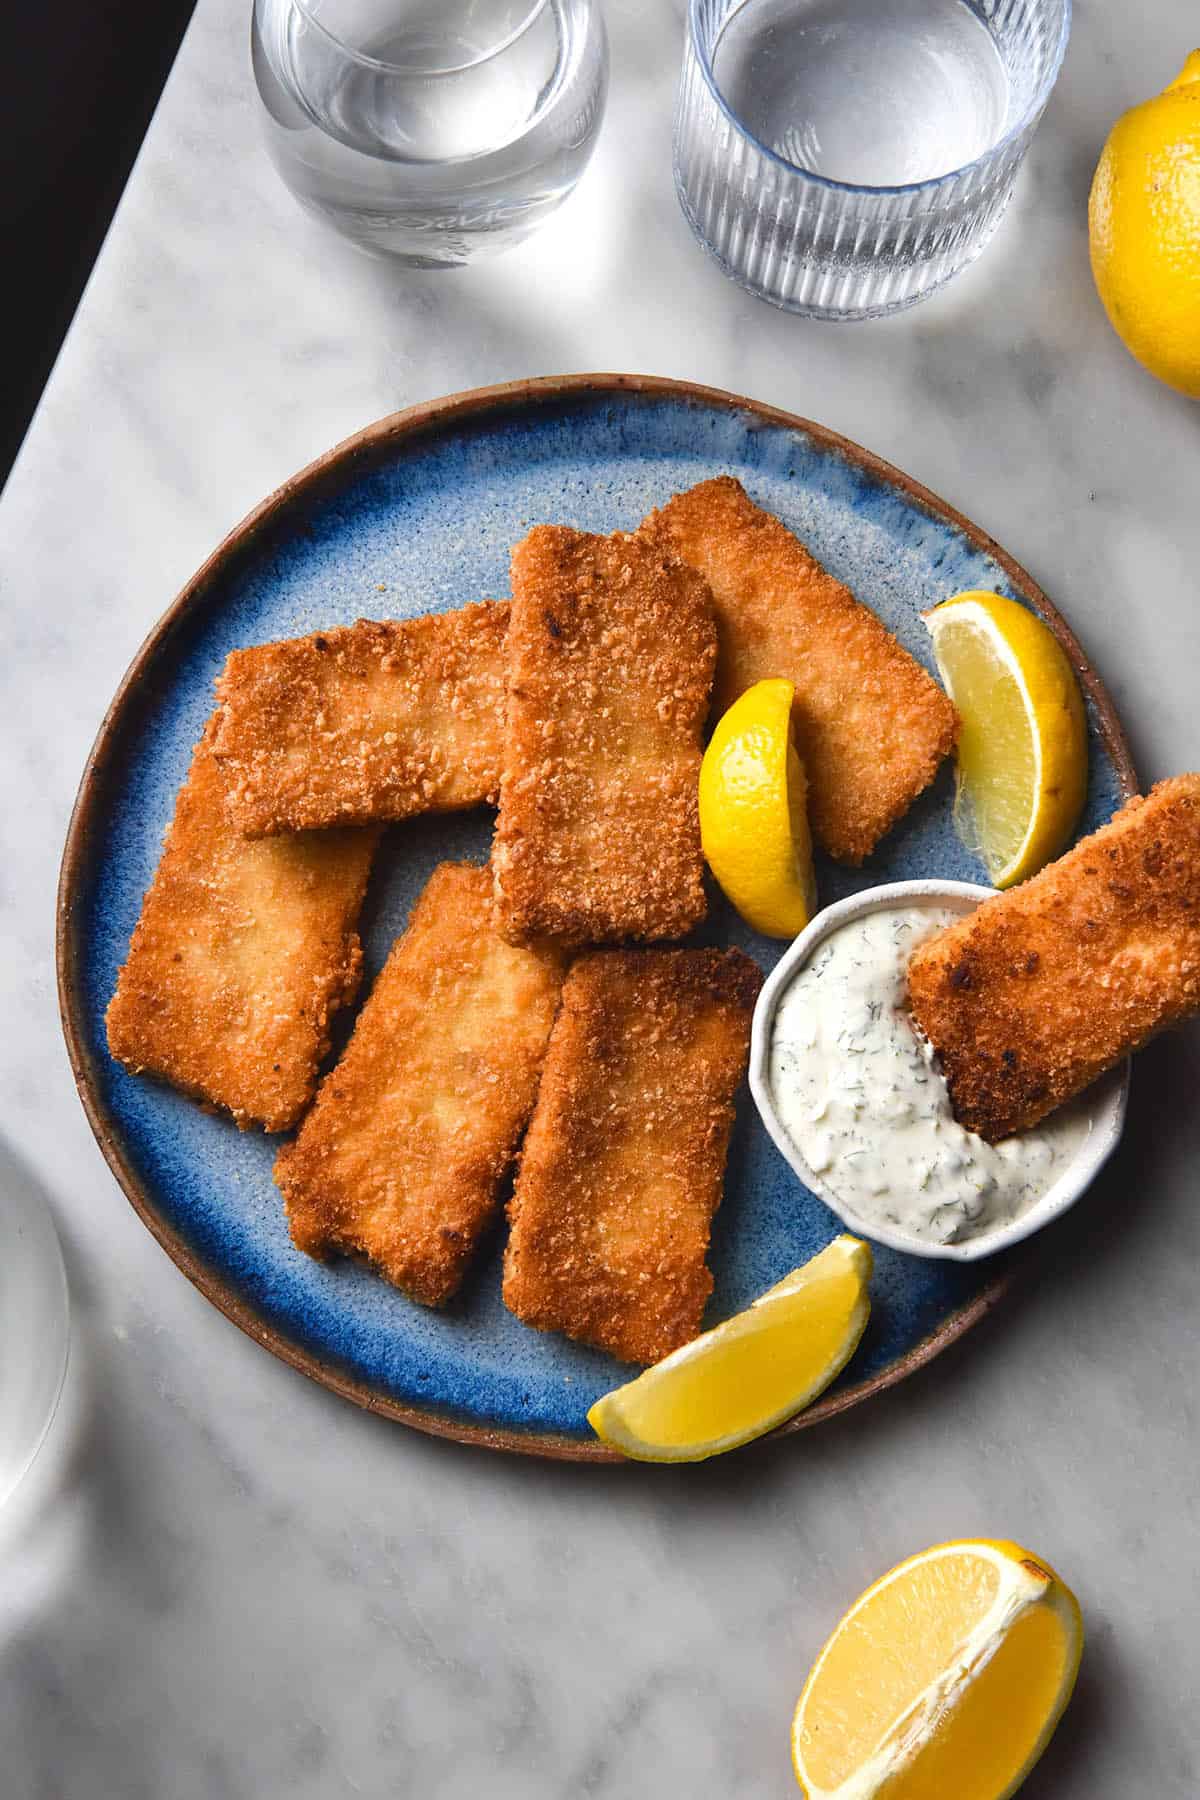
{"x":1144,"y":230}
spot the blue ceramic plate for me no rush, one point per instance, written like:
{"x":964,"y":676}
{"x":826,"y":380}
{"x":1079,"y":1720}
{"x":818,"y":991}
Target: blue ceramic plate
{"x":415,"y":514}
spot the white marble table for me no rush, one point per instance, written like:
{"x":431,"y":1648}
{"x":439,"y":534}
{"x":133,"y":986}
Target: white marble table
{"x":223,"y":1584}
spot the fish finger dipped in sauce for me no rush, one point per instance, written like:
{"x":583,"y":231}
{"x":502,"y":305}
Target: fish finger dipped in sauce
{"x":1032,"y":997}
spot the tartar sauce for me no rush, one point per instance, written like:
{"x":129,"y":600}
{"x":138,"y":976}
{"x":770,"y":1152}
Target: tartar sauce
{"x":861,"y":1095}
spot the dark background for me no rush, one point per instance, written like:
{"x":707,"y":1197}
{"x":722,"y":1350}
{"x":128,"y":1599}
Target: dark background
{"x":84,"y":77}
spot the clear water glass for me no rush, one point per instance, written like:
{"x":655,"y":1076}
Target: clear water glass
{"x":34,"y":1320}
{"x":430,"y":131}
{"x":844,"y":158}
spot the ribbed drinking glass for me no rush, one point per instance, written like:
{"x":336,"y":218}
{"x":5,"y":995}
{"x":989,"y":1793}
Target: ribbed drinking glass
{"x":844,"y":158}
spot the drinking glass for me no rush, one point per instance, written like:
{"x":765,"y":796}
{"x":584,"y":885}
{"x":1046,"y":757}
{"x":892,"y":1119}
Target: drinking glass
{"x":844,"y":158}
{"x":34,"y":1320}
{"x":430,"y":130}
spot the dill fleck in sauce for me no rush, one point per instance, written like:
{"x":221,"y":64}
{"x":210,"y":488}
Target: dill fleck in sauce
{"x":861,"y":1095}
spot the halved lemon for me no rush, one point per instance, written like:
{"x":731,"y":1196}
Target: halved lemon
{"x":748,"y":1375}
{"x":1143,"y":228}
{"x":1022,"y":751}
{"x":753,"y":812}
{"x":946,"y":1678}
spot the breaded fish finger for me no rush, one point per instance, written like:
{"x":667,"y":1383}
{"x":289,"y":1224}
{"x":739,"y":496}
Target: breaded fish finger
{"x":241,"y":956}
{"x":624,"y":1160}
{"x":611,"y":651}
{"x":871,"y":725}
{"x":402,"y":1156}
{"x":365,"y":722}
{"x":1032,"y":997}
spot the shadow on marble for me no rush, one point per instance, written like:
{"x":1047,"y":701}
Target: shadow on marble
{"x":408,"y":321}
{"x":1117,"y":1222}
{"x":1092,"y":1723}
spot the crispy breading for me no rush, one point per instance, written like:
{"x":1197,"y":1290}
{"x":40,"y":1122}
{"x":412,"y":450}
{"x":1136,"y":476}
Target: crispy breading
{"x":611,"y":651}
{"x":871,"y":725}
{"x":364,"y":722}
{"x":623,"y":1164}
{"x":241,"y":956}
{"x":1041,"y":990}
{"x":402,"y":1156}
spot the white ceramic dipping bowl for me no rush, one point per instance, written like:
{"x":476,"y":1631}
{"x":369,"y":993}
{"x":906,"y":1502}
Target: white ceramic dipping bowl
{"x":1107,"y":1099}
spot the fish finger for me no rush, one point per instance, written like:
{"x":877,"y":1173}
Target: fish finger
{"x":871,"y":724}
{"x":1032,"y":997}
{"x":623,"y":1164}
{"x":611,"y":651}
{"x":364,"y":722}
{"x":241,"y":956}
{"x":402,"y":1156}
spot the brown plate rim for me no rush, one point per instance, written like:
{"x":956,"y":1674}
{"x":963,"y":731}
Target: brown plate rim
{"x":326,"y":473}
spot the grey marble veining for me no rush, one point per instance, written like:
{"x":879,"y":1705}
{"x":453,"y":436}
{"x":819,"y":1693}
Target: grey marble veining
{"x":220,"y":1583}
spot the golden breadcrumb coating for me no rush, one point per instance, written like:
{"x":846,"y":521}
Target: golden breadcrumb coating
{"x":611,"y":652}
{"x":364,"y":722}
{"x":402,"y":1156}
{"x":624,"y":1160}
{"x":1031,"y":998}
{"x":241,"y":956}
{"x":871,"y":725}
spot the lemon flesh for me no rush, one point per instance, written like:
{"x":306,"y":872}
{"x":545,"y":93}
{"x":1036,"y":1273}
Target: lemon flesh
{"x":753,"y":812}
{"x":1022,"y":750}
{"x":748,"y":1375}
{"x":947,"y":1677}
{"x":1144,"y":227}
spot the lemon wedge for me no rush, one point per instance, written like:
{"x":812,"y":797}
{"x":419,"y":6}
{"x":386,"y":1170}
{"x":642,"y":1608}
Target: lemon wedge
{"x":946,"y":1678}
{"x":745,"y":1377}
{"x":1022,"y":752}
{"x":753,"y":812}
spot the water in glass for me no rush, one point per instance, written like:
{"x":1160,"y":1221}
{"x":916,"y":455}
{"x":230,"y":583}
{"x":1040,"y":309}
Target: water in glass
{"x":875,"y":92}
{"x":430,"y":130}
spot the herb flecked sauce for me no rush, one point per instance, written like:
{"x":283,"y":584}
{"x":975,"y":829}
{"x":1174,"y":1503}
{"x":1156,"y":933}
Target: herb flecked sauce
{"x":861,"y":1095}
